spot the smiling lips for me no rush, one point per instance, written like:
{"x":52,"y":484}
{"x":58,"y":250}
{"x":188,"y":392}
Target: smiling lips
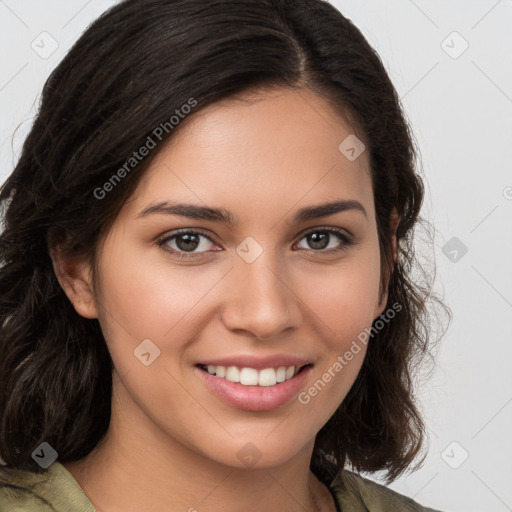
{"x":255,"y":384}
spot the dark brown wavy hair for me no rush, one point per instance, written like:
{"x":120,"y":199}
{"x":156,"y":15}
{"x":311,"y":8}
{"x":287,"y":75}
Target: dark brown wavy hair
{"x":129,"y":72}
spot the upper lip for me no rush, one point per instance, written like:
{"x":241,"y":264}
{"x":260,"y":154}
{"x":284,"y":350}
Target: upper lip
{"x":257,"y":362}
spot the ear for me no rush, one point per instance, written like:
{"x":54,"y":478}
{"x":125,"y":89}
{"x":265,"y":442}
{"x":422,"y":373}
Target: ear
{"x":394,"y":221}
{"x":75,"y":277}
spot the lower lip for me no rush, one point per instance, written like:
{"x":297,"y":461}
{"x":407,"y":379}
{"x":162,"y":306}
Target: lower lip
{"x":254,"y":398}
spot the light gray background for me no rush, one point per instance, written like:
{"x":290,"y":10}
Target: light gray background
{"x":460,"y":108}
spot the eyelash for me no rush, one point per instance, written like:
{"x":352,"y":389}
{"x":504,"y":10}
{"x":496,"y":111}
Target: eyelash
{"x":346,"y":239}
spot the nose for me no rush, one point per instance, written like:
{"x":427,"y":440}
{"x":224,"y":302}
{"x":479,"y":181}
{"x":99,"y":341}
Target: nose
{"x":260,"y":299}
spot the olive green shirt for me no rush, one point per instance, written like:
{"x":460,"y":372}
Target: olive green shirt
{"x":57,"y":491}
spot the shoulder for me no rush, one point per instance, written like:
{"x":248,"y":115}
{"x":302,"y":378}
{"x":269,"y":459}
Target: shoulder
{"x":17,"y":492}
{"x":358,"y":494}
{"x":53,"y":490}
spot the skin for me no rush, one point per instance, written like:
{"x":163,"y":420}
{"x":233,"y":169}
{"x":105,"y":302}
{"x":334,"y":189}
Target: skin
{"x":169,"y":436}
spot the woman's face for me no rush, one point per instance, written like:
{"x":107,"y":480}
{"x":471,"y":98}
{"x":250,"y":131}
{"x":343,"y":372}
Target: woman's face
{"x":271,"y":288}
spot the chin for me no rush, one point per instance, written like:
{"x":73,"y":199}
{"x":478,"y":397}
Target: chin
{"x":262,"y":452}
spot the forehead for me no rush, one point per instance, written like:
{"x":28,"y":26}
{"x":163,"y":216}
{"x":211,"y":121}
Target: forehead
{"x":277,"y":147}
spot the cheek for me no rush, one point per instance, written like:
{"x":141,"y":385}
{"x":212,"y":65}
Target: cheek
{"x":344,"y":299}
{"x":343,"y":306}
{"x":156,"y":300}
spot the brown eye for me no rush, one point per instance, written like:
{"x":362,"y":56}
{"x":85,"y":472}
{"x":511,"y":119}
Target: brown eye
{"x":320,"y":239}
{"x":186,"y":242}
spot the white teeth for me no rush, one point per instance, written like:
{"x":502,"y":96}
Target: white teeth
{"x":249,"y":377}
{"x":252,"y":377}
{"x":233,"y":374}
{"x":267,"y":377}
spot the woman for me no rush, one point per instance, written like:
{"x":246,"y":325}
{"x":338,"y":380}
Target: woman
{"x":206,"y":300}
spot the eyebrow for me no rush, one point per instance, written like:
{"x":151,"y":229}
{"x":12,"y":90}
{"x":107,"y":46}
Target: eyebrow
{"x":193,"y":211}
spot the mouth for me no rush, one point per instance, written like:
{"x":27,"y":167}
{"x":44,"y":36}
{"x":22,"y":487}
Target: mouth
{"x":251,"y":389}
{"x":246,"y":376}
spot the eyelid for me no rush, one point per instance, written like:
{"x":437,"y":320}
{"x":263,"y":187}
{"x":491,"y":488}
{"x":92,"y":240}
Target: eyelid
{"x":182,"y":231}
{"x":332,"y":229}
